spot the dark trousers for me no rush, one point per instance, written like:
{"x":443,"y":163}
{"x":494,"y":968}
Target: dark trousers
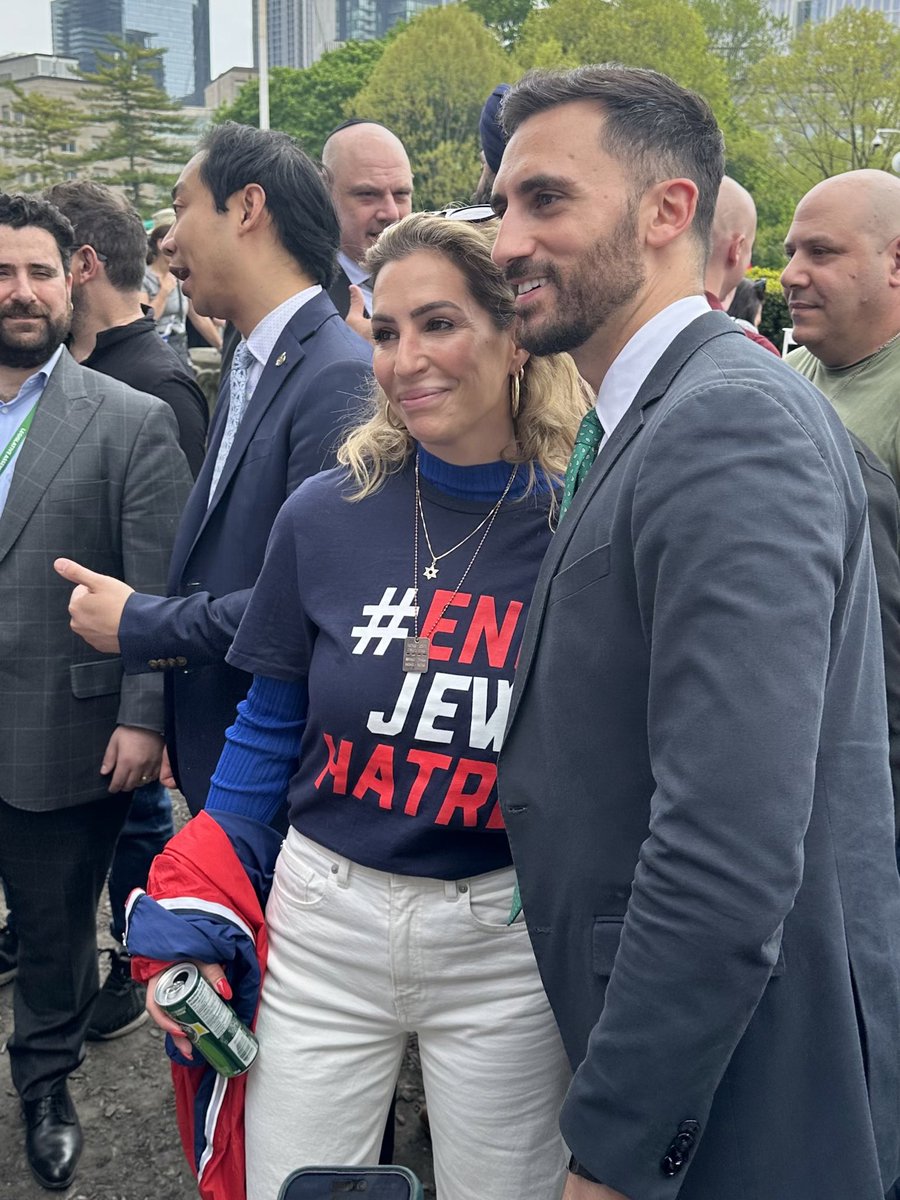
{"x":147,"y":828}
{"x":54,"y":865}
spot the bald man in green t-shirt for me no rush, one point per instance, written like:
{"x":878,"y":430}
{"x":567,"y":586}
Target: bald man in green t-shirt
{"x":842,"y":285}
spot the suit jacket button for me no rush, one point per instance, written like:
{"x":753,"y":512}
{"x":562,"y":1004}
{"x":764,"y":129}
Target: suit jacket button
{"x":153,"y":664}
{"x":673,"y":1162}
{"x":180,"y":661}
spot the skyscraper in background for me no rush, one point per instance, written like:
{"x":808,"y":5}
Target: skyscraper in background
{"x":800,"y":12}
{"x":300,"y":31}
{"x":181,"y":27}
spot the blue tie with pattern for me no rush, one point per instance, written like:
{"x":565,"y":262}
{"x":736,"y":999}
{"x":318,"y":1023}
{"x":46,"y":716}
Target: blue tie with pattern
{"x":587,"y":443}
{"x":237,"y":402}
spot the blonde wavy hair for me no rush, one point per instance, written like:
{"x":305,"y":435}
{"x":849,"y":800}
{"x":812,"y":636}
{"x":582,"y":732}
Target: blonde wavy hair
{"x":552,"y":396}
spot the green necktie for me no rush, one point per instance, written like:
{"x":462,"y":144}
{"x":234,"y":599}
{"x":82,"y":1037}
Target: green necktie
{"x":587,"y":443}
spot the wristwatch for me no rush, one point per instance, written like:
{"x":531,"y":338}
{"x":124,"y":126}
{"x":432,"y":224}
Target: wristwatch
{"x":575,"y":1168}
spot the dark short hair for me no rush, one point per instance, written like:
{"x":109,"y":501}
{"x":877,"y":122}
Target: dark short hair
{"x":653,"y":126}
{"x":302,"y":212}
{"x":103,"y":219}
{"x":154,"y":237}
{"x":20,"y":212}
{"x":748,"y":299}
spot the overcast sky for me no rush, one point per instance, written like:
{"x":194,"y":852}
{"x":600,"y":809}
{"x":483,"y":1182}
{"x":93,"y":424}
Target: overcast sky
{"x":25,"y":28}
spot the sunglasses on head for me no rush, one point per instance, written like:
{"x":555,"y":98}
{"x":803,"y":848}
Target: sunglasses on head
{"x":476,"y":213}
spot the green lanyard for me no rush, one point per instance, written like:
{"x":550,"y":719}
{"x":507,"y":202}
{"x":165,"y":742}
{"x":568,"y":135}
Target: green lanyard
{"x":17,"y":439}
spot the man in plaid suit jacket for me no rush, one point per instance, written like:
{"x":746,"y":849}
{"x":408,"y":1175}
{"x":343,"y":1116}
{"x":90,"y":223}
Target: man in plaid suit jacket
{"x":88,"y":468}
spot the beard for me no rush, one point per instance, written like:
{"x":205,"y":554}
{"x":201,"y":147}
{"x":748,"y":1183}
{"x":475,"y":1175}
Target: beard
{"x":608,"y":276}
{"x":23,"y":351}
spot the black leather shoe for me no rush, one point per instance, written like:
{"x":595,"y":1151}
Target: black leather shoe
{"x":53,"y":1140}
{"x":9,"y":955}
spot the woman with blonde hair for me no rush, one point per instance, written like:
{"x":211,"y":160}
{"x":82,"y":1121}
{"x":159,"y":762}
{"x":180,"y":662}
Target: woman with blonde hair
{"x":382,"y":635}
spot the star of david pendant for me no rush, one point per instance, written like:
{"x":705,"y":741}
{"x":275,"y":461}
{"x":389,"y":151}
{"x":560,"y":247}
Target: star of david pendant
{"x":431,"y":572}
{"x":415,"y":654}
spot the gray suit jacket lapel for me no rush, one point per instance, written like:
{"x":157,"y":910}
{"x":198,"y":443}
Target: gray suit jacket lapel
{"x":657,"y":383}
{"x":61,"y":417}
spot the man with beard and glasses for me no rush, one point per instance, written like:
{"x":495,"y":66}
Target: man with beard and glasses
{"x":694,"y":776}
{"x":92,"y":468}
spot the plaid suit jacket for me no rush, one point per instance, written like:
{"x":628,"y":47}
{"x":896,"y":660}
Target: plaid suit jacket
{"x":100,"y":479}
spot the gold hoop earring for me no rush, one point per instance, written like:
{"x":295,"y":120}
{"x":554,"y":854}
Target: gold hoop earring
{"x":515,"y":392}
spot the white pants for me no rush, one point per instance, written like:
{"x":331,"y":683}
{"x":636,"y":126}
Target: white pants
{"x":358,"y":959}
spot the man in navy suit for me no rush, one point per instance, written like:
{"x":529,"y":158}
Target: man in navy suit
{"x":694,"y":776}
{"x":254,"y":241}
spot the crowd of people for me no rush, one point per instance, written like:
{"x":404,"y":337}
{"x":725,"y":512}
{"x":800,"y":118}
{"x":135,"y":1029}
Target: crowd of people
{"x":524,"y":641}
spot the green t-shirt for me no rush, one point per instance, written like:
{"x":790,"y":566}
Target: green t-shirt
{"x":866,"y":396}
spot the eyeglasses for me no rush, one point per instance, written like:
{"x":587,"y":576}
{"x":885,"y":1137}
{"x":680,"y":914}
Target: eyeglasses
{"x":476,"y":213}
{"x":102,"y":257}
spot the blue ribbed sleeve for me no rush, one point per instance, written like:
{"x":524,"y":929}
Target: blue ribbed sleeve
{"x":262,"y":750}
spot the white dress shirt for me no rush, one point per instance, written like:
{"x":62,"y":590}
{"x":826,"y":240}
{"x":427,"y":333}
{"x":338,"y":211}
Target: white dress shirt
{"x":261,"y":341}
{"x":640,"y":354}
{"x":358,"y":275}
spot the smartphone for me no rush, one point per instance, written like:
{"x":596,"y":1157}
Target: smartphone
{"x":351,"y":1183}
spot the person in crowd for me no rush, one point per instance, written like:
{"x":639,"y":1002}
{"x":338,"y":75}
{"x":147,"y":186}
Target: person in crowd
{"x":383,"y":635}
{"x":161,"y":292}
{"x":694,"y":775}
{"x":731,"y":249}
{"x":369,"y":177}
{"x":746,"y":305}
{"x":254,"y":239}
{"x":493,"y":142}
{"x":111,"y":334}
{"x":92,"y":467}
{"x":110,"y":331}
{"x":173,"y":311}
{"x":842,"y":285}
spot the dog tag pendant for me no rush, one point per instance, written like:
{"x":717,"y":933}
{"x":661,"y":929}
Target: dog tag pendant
{"x":415,"y":654}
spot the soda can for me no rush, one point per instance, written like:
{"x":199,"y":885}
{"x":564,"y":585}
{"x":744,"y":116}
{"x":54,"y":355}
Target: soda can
{"x":210,"y":1024}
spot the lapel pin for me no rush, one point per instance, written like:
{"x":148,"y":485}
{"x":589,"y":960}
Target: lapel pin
{"x":281,"y":359}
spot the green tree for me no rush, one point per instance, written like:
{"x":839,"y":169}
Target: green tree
{"x":141,"y":119}
{"x":504,"y":17}
{"x":667,"y":35}
{"x":429,"y":87}
{"x":40,"y":131}
{"x":310,"y":102}
{"x":821,"y":100}
{"x":740,"y":33}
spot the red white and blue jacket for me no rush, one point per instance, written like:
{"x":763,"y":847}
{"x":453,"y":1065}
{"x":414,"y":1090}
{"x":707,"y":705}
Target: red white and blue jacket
{"x":208,"y":889}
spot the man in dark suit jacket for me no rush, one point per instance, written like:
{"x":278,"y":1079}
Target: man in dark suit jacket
{"x":695,"y":773}
{"x":369,"y":177}
{"x":97,"y":473}
{"x":254,"y":241}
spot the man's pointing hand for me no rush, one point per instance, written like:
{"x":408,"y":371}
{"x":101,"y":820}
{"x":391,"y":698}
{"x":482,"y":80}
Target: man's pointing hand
{"x":96,"y":604}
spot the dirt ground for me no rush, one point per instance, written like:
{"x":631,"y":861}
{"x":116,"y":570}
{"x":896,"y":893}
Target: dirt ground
{"x":123,"y":1096}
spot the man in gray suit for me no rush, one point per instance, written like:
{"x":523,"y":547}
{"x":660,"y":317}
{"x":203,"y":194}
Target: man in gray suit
{"x":91,"y":468}
{"x":695,"y":774}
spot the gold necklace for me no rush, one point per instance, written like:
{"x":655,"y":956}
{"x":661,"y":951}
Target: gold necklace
{"x":431,"y":572}
{"x":863,"y":366}
{"x":416,"y":649}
